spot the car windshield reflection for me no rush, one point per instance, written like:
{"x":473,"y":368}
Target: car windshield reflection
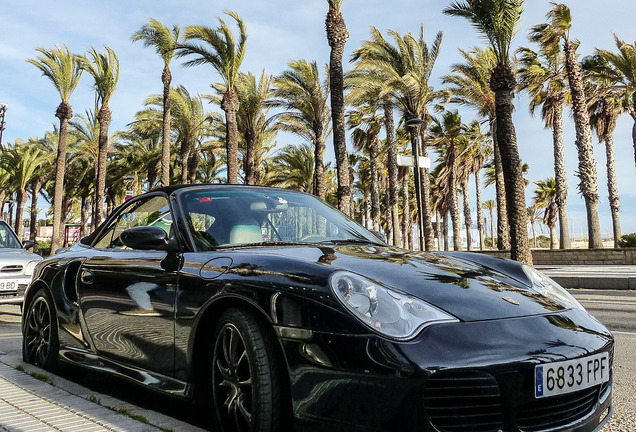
{"x":224,"y":217}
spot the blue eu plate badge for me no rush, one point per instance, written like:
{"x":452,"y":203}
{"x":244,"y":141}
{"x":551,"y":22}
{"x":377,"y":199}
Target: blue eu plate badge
{"x":538,"y":381}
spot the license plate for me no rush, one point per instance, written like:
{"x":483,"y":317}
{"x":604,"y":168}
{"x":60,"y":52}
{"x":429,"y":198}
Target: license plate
{"x":8,"y":285}
{"x":557,"y":378}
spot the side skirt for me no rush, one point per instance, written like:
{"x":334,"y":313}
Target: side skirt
{"x":145,"y":378}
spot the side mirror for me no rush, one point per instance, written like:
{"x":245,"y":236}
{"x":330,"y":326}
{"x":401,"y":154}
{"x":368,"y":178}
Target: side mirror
{"x":28,"y":244}
{"x":147,"y":238}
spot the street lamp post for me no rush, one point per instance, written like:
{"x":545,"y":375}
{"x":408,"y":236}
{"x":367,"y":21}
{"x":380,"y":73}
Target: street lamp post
{"x":416,"y":123}
{"x":3,"y":112}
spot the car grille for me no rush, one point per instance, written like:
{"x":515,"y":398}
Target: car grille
{"x":556,"y":411}
{"x":466,"y":401}
{"x":11,"y":269}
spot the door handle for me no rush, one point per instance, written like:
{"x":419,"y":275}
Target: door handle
{"x":86,"y":277}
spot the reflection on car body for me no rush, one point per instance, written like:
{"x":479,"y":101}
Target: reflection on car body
{"x":279,"y":312}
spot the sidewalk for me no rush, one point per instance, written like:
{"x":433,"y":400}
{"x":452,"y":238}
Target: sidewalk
{"x":619,"y":277}
{"x":28,"y":404}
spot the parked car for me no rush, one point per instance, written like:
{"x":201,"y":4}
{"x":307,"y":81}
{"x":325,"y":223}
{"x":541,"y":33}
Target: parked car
{"x":276,"y":311}
{"x":16,"y":266}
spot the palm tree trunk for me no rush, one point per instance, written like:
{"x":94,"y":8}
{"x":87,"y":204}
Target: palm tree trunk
{"x":166,"y":78}
{"x":320,"y":188}
{"x":503,"y":82}
{"x":438,"y":226}
{"x":36,"y":185}
{"x":503,"y":231}
{"x":612,"y":187}
{"x":184,"y":154}
{"x":20,"y":201}
{"x":64,"y":113}
{"x":84,"y":216}
{"x":375,"y":193}
{"x":553,"y":238}
{"x":445,"y":230}
{"x":587,"y":165}
{"x":230,"y":105}
{"x":480,"y":215}
{"x":560,"y":176}
{"x":248,"y":164}
{"x":389,"y":127}
{"x":406,"y":210}
{"x":492,"y":229}
{"x":452,"y":200}
{"x":103,"y":117}
{"x":337,"y":35}
{"x":429,"y":240}
{"x":468,"y":222}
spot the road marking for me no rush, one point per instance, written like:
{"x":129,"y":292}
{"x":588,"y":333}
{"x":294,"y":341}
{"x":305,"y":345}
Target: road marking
{"x":10,"y":335}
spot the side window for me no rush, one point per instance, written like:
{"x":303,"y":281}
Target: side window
{"x":153,"y":211}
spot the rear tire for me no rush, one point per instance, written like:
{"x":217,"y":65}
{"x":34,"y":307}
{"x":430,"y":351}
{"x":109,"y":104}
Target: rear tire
{"x":245,"y":380}
{"x":40,"y":343}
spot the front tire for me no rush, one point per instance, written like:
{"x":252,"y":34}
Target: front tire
{"x":246,"y":388}
{"x":40,"y":343}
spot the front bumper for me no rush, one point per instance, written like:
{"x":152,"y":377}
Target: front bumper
{"x":462,"y":377}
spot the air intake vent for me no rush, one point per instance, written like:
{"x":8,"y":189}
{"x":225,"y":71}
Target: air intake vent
{"x":11,"y":269}
{"x":468,"y":401}
{"x":556,"y":411}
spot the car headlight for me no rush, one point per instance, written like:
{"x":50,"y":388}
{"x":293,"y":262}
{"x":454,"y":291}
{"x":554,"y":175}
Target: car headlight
{"x":390,"y":313}
{"x":28,"y":270}
{"x":543,"y":285}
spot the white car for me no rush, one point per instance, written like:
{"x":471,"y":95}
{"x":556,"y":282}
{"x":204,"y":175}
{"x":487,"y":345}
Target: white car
{"x":16,"y":266}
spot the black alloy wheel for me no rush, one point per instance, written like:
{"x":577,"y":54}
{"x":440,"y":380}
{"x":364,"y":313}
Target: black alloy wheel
{"x":246,"y":384}
{"x":40,"y":344}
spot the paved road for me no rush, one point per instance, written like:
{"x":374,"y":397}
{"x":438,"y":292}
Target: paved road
{"x":616,"y":309}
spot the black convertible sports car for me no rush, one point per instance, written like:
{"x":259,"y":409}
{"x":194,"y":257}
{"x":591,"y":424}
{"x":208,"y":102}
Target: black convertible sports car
{"x":279,"y":312}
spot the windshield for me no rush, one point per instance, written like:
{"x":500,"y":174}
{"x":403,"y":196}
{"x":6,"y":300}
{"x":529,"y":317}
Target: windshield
{"x":7,"y":238}
{"x":219,"y":217}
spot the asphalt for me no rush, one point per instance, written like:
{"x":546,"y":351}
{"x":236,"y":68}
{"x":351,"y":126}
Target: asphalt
{"x":32,"y":400}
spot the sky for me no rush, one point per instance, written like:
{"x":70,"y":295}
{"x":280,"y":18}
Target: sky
{"x":284,"y":30}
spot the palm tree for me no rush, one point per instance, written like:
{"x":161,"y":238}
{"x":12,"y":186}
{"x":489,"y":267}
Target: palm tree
{"x":370,"y":86}
{"x":558,"y":29}
{"x":337,"y":36}
{"x":64,"y":70}
{"x":104,"y":67}
{"x":218,"y":48}
{"x":255,"y":128}
{"x":293,"y":167}
{"x":406,"y":68}
{"x":192,"y":125}
{"x":21,"y":163}
{"x":165,"y":42}
{"x":365,"y":123}
{"x":474,"y":156}
{"x":606,"y":105}
{"x":543,"y":76}
{"x":446,"y":133}
{"x":471,"y":88}
{"x":545,"y":196}
{"x":534,"y":216}
{"x":42,"y":175}
{"x":302,"y":96}
{"x":497,"y":20}
{"x":490,"y":206}
{"x":623,"y":64}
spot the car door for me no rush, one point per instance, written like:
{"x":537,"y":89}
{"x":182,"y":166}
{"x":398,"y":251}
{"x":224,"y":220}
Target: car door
{"x":126,"y":297}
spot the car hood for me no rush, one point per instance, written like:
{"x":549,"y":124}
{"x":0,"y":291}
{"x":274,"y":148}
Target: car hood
{"x":10,"y":256}
{"x":469,"y":286}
